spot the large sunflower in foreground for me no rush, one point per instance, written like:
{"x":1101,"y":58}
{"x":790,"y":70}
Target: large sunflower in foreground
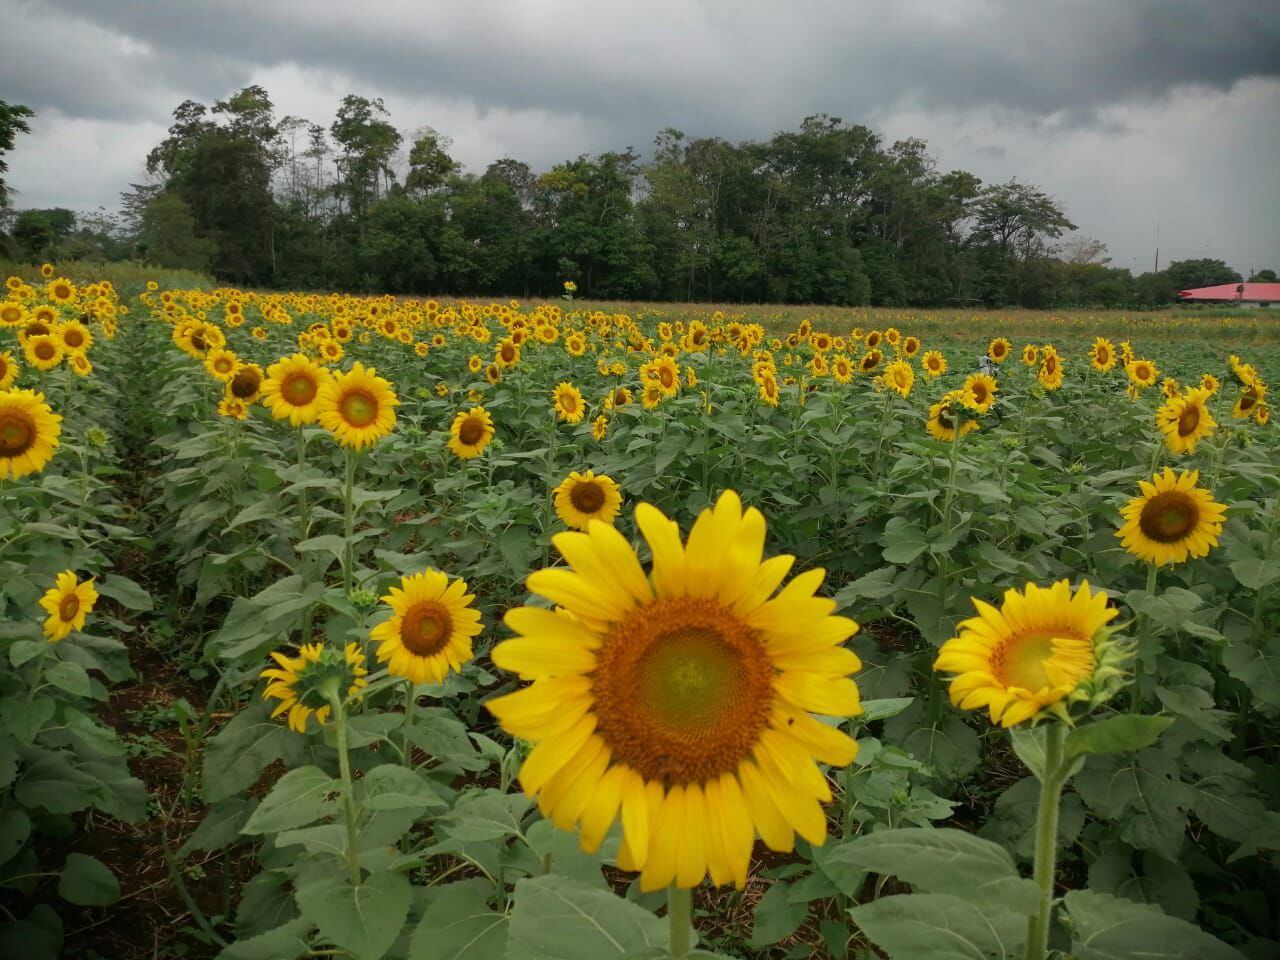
{"x":68,"y":602}
{"x":29,"y":432}
{"x":293,"y":387}
{"x":680,"y":702}
{"x":430,"y":630}
{"x":470,"y":432}
{"x":358,"y":407}
{"x":1185,"y":420}
{"x":1028,"y":656}
{"x":584,"y":497}
{"x":303,"y":683}
{"x":1172,"y":519}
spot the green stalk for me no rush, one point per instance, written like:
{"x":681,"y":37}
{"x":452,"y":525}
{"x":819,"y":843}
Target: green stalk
{"x":302,"y":493}
{"x":1144,"y":631}
{"x":410,"y":701}
{"x":680,"y":920}
{"x":1047,"y":840}
{"x":348,"y":562}
{"x":348,"y":790}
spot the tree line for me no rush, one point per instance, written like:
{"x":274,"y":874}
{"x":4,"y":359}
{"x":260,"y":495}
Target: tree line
{"x":828,"y":213}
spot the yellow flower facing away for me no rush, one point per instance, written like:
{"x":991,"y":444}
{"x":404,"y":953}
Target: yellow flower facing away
{"x":680,"y":701}
{"x":583,"y":497}
{"x":68,"y":602}
{"x":29,"y":432}
{"x":430,"y":629}
{"x":471,"y":431}
{"x":1029,"y":656}
{"x":293,"y":388}
{"x":1185,"y":420}
{"x":1172,"y":519}
{"x":303,"y":683}
{"x":358,"y":407}
{"x":567,"y":400}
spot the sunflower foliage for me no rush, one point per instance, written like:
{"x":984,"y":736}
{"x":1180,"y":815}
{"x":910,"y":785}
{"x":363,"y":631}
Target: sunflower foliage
{"x":66,"y":613}
{"x":517,"y":623}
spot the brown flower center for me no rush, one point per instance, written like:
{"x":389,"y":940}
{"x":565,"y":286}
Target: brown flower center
{"x":299,"y":389}
{"x":359,"y":408}
{"x":1169,"y":517}
{"x":683,"y":689}
{"x":1188,"y":420}
{"x":68,"y":608}
{"x":17,"y":435}
{"x":471,"y":432}
{"x":587,"y":496}
{"x":246,"y":384}
{"x":425,"y":628}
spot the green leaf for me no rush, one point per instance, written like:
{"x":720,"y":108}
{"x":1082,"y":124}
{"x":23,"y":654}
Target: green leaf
{"x":776,"y":917}
{"x":15,"y":828}
{"x":1104,"y":927}
{"x":903,"y":541}
{"x":557,"y":919}
{"x":236,"y":756}
{"x":938,"y":861}
{"x":937,"y":926}
{"x":363,"y":920}
{"x":286,"y":942}
{"x":87,"y":882}
{"x":301,"y":796}
{"x":125,"y":592}
{"x":873,"y":710}
{"x":1119,"y":734}
{"x":459,"y":924}
{"x":393,"y":787}
{"x":24,"y":650}
{"x":1028,"y":744}
{"x":69,"y":677}
{"x":221,"y":826}
{"x":488,"y":815}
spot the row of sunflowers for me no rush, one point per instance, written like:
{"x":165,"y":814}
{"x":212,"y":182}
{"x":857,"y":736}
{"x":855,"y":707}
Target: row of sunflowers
{"x":349,"y":494}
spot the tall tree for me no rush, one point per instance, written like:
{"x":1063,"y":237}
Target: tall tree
{"x":367,"y":143}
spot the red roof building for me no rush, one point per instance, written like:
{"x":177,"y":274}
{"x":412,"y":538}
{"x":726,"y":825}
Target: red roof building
{"x":1245,"y":294}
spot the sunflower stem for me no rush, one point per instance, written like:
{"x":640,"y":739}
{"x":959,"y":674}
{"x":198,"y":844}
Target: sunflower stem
{"x":348,"y":560}
{"x":348,"y":790}
{"x":1051,"y":783}
{"x":1144,"y":630}
{"x":680,"y":920}
{"x":302,"y":493}
{"x":410,"y":701}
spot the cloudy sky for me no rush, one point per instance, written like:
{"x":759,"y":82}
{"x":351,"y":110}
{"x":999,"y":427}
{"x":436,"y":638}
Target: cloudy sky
{"x":1131,"y":113}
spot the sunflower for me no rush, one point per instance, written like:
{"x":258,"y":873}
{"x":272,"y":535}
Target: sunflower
{"x":358,"y":407}
{"x":1050,"y":375}
{"x":44,"y":352}
{"x":600,"y":428}
{"x":1251,"y":397}
{"x":899,"y":377}
{"x":769,"y":389}
{"x":46,"y":270}
{"x":331,"y":351}
{"x":1026,"y":658}
{"x":430,"y":629}
{"x":934,"y":364}
{"x":1211,"y":383}
{"x":1030,"y":355}
{"x":680,"y":702}
{"x":1262,"y":414}
{"x":946,"y":414}
{"x":576,"y":344}
{"x":979,"y":392}
{"x":870,"y":360}
{"x":910,"y":346}
{"x":8,"y":369}
{"x":999,"y":349}
{"x":1171,"y":520}
{"x":1170,"y":387}
{"x":1102,"y":355}
{"x":841,"y":368}
{"x":470,"y":432}
{"x":293,"y":388}
{"x":507,"y":354}
{"x":75,"y":336}
{"x":68,"y":602}
{"x":61,"y":291}
{"x":221,"y":363}
{"x":245,"y":384}
{"x":1185,"y":420}
{"x":665,"y":372}
{"x":303,"y":683}
{"x":232,"y":408}
{"x":12,"y":313}
{"x":583,"y":497}
{"x":568,"y":403}
{"x":1142,"y":373}
{"x":80,"y":365}
{"x":29,"y":432}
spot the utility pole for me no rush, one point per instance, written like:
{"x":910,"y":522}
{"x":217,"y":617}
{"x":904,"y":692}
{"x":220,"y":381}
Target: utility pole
{"x":1156,"y":269}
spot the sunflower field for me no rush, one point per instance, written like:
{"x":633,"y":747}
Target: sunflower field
{"x":342,"y":626}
